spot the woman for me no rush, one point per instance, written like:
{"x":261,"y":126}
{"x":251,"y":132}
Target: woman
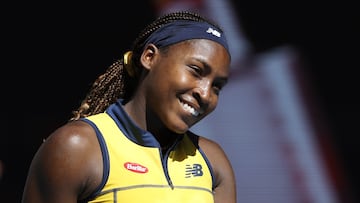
{"x":129,"y":141}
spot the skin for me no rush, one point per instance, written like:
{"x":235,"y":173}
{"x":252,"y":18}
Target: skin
{"x":68,"y":165}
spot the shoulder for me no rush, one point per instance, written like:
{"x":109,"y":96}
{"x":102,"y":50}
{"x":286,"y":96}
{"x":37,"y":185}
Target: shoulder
{"x":225,"y":189}
{"x":69,"y":159}
{"x":77,"y":142}
{"x":73,"y":135}
{"x":76,"y":138}
{"x":213,"y":151}
{"x":216,"y":155}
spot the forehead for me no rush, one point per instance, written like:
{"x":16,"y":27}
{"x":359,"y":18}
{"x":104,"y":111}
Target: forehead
{"x":203,"y":49}
{"x":207,"y":54}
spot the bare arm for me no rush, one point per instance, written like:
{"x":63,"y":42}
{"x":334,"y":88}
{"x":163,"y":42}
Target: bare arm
{"x":225,"y":190}
{"x":66,"y":167}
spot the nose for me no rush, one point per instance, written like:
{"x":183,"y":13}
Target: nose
{"x":204,"y":92}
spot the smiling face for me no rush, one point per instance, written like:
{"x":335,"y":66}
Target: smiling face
{"x":182,"y":85}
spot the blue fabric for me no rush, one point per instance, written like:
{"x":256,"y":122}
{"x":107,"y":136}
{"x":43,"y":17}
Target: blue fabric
{"x":178,"y":31}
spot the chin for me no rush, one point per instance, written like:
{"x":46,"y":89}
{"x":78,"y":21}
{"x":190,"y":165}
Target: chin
{"x":178,"y":125}
{"x":180,"y":129}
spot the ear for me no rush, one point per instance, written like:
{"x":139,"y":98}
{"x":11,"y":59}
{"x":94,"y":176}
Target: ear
{"x":148,"y":56}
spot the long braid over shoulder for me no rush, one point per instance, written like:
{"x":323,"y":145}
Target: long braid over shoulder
{"x":117,"y":83}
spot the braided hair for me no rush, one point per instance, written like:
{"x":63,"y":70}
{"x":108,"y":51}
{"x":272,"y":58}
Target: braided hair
{"x":116,"y":82}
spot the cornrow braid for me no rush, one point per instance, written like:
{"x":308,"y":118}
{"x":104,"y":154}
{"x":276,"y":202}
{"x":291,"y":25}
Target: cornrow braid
{"x":116,"y":83}
{"x":104,"y":91}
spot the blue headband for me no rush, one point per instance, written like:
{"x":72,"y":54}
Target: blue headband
{"x":178,"y":31}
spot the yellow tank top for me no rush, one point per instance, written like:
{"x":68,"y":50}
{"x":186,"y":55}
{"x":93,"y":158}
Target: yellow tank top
{"x":135,"y":171}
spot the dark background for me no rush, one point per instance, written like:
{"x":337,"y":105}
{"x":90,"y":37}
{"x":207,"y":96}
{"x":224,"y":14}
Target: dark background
{"x":52,"y":53}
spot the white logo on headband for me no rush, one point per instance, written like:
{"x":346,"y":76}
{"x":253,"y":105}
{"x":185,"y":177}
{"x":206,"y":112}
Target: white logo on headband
{"x":213,"y":32}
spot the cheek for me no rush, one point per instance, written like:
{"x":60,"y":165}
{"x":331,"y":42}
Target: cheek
{"x":183,"y":79}
{"x":179,"y":78}
{"x":213,"y":103}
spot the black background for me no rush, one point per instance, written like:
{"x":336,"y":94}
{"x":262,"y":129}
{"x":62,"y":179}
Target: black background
{"x":52,"y":53}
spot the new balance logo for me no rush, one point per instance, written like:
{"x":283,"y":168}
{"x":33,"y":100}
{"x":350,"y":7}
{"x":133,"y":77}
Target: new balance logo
{"x":213,"y":32}
{"x":193,"y":171}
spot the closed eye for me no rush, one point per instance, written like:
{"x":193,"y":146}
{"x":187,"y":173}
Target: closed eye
{"x":197,"y":71}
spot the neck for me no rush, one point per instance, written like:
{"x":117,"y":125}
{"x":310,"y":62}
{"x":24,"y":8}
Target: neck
{"x":135,"y":108}
{"x":136,"y":111}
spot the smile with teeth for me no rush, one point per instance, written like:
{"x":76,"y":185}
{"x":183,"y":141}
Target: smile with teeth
{"x":190,"y":109}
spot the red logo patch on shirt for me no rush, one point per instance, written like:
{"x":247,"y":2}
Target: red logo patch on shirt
{"x":135,"y":167}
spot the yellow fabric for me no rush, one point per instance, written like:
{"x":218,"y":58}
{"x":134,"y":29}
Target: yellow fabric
{"x":137,"y":175}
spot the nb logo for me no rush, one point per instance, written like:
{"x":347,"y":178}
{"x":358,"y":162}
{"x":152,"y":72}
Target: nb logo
{"x":193,"y":171}
{"x":213,"y":32}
